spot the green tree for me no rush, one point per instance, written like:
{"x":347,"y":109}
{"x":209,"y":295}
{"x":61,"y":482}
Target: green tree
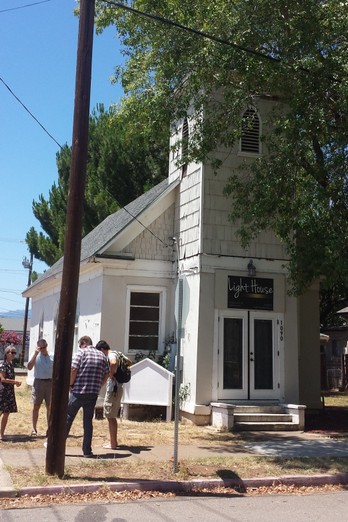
{"x":122,"y":164}
{"x":291,"y":49}
{"x":332,"y":299}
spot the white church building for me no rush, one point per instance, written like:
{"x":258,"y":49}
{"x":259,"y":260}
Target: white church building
{"x":244,"y":339}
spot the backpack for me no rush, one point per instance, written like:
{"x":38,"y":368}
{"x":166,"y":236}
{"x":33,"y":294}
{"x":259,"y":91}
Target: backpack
{"x":123,"y":372}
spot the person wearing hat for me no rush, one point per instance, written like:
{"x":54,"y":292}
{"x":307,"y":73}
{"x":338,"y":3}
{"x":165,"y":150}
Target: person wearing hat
{"x":7,"y":397}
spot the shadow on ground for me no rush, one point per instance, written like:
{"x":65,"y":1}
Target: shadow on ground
{"x":329,"y":419}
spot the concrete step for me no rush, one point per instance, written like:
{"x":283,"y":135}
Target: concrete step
{"x":262,"y":417}
{"x":258,"y":417}
{"x":266,"y":426}
{"x":258,"y":409}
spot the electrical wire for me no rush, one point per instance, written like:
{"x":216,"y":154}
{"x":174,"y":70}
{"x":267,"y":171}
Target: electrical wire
{"x":31,"y":114}
{"x":60,"y":146}
{"x":203,"y":34}
{"x":24,"y":6}
{"x":167,"y":22}
{"x":215,"y":39}
{"x":10,"y":300}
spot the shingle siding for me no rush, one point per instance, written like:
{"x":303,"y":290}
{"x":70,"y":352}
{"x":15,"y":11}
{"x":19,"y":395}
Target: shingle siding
{"x":151,"y":243}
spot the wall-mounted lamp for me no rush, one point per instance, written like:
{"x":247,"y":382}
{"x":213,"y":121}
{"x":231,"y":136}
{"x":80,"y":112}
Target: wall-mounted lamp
{"x":251,"y":269}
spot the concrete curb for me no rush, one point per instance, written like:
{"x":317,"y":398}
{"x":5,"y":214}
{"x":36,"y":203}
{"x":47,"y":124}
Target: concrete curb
{"x":6,"y":487}
{"x":181,"y":486}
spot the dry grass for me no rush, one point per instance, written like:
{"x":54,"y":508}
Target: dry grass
{"x":337,"y":399}
{"x":131,"y":433}
{"x":144,"y":434}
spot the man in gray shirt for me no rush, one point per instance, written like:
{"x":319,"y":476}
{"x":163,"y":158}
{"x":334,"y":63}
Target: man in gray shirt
{"x":42,"y":362}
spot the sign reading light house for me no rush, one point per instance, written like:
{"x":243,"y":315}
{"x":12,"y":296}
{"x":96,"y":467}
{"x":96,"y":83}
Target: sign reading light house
{"x":250,"y":293}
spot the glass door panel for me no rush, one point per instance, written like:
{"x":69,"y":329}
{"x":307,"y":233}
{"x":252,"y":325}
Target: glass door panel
{"x":249,"y":351}
{"x":232,"y":382}
{"x":233,"y":353}
{"x":263,"y":354}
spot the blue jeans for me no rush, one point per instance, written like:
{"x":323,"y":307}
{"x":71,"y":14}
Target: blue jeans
{"x":87,"y":402}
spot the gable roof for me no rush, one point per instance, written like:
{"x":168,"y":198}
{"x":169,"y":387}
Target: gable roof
{"x":96,"y":240}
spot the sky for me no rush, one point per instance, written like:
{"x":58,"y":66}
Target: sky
{"x":38,"y":48}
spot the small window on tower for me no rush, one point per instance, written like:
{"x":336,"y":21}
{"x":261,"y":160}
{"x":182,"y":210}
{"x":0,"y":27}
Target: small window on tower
{"x":184,"y":146}
{"x":250,"y":138}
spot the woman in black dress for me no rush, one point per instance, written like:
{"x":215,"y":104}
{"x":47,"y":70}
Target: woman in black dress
{"x":7,"y":395}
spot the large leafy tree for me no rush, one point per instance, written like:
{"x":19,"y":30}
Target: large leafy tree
{"x":123,"y":162}
{"x":290,"y":49}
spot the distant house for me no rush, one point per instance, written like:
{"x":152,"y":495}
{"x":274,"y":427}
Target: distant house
{"x":244,"y":339}
{"x":336,"y":353}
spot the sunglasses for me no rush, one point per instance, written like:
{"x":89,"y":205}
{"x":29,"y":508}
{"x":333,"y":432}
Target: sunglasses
{"x":13,"y":353}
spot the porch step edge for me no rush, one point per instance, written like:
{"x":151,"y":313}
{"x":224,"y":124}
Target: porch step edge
{"x":271,"y":409}
{"x":262,"y":417}
{"x":266,"y":426}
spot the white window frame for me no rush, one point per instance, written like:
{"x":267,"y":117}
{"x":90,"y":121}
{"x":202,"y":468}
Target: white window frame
{"x":162,"y":291}
{"x":41,"y":326}
{"x":76,"y":327}
{"x":55,"y":322}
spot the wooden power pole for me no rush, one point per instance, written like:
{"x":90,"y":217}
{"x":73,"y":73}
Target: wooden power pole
{"x":55,"y":456}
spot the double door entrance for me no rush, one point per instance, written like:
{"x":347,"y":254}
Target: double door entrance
{"x":250,"y":351}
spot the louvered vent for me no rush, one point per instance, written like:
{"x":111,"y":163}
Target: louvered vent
{"x":250,"y":139}
{"x":184,"y":146}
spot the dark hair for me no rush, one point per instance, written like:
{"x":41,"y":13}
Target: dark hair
{"x":102,"y":345}
{"x":86,"y":340}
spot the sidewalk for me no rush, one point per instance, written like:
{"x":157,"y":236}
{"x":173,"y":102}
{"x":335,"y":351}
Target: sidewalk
{"x":289,"y":444}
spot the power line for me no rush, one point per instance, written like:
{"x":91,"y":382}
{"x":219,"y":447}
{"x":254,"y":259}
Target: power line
{"x":60,"y":146}
{"x":31,"y":114}
{"x":11,"y":240}
{"x":213,"y":38}
{"x":11,"y":300}
{"x":24,"y":6}
{"x":195,"y":31}
{"x":13,"y":271}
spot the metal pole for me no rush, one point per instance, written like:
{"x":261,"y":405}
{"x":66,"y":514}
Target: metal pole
{"x":28,"y":265}
{"x":55,"y":455}
{"x":177,"y":380}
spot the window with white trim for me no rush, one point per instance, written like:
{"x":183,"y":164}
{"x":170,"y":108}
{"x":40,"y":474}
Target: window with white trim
{"x":76,"y":327}
{"x":55,"y":322}
{"x":251,"y":132}
{"x":145,"y":317}
{"x":41,"y":327}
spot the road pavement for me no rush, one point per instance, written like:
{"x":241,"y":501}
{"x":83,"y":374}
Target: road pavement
{"x":268,"y":444}
{"x":220,"y":508}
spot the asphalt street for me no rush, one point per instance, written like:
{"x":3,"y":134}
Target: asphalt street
{"x":270,"y":508}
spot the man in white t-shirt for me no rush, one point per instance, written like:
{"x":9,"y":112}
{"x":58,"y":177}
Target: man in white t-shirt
{"x":42,"y":362}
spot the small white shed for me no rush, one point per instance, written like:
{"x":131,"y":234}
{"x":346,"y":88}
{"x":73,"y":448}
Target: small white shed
{"x":151,"y":384}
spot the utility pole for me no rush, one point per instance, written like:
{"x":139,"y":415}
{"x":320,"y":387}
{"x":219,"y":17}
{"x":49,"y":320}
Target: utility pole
{"x":55,"y":455}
